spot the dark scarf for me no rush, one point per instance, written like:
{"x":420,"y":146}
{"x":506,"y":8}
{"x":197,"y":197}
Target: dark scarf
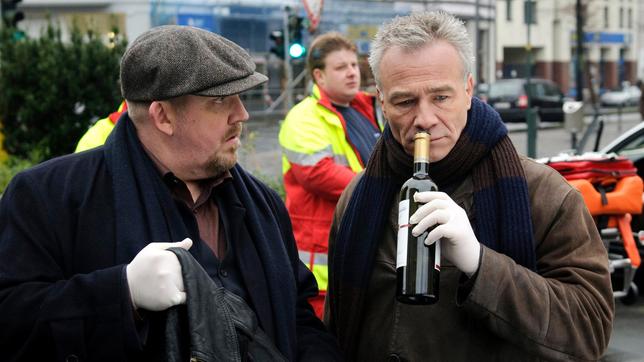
{"x":146,"y":212}
{"x":501,"y":207}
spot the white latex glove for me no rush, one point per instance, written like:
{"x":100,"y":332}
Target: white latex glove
{"x":154,"y":277}
{"x":458,"y":242}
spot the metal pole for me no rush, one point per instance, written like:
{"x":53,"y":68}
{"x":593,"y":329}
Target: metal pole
{"x":478,"y":46}
{"x":287,"y":60}
{"x":619,"y":118}
{"x":579,"y":52}
{"x":283,"y":96}
{"x":573,"y":140}
{"x":530,"y":112}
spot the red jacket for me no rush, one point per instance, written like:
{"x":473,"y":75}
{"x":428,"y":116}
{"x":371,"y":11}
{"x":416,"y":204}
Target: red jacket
{"x":318,"y":163}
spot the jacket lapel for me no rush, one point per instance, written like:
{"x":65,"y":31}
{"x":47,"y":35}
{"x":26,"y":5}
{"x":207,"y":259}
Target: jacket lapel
{"x":247,"y":259}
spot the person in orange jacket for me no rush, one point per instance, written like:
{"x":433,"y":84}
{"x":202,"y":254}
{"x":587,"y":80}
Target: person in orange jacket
{"x":97,"y":134}
{"x":326,"y":139}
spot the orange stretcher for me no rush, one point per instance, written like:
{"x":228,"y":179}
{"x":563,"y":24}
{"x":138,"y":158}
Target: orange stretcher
{"x":612,"y":192}
{"x":624,"y":199}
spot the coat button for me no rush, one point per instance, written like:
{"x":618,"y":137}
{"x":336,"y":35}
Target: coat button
{"x":393,"y":358}
{"x":223,"y":272}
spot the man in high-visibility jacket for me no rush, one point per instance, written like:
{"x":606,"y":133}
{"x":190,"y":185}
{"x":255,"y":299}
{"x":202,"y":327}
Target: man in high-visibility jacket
{"x":97,"y":134}
{"x":326,"y":139}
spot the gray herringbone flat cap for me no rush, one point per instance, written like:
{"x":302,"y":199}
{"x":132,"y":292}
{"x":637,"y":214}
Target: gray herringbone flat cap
{"x":170,"y":61}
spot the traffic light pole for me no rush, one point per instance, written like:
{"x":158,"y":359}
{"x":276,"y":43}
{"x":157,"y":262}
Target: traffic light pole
{"x":579,"y":53}
{"x":288,"y":71}
{"x":531,"y":112}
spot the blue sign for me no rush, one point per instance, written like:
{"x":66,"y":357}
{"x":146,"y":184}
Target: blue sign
{"x":202,"y":21}
{"x":612,"y":38}
{"x":606,"y":38}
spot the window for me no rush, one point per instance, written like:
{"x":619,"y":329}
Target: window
{"x":621,"y":17}
{"x":635,"y":144}
{"x":630,"y":18}
{"x":508,"y":10}
{"x":606,"y":22}
{"x":551,"y":90}
{"x":530,"y":12}
{"x":505,"y":88}
{"x":537,"y":90}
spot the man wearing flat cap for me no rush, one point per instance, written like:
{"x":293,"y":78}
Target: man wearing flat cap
{"x":84,"y":270}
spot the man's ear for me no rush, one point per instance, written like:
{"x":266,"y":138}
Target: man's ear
{"x":381,"y":99}
{"x":318,"y":77}
{"x":469,"y":89}
{"x":162,"y":116}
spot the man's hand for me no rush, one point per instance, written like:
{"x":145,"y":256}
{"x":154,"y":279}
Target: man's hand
{"x":459,"y":244}
{"x":154,"y":277}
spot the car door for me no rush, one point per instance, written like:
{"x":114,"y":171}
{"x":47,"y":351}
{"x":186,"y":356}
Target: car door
{"x":551,"y":102}
{"x":634,"y":94}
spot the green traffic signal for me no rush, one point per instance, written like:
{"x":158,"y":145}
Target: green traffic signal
{"x":295,"y":31}
{"x":296,"y":50}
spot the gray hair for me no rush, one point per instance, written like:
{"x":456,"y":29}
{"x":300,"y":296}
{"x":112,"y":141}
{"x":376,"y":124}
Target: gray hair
{"x":138,"y":111}
{"x":413,"y":31}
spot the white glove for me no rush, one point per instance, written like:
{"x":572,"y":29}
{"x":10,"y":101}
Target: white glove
{"x":154,"y":277}
{"x":458,"y":242}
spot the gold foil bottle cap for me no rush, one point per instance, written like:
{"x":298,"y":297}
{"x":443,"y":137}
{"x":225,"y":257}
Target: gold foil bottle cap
{"x":421,"y":147}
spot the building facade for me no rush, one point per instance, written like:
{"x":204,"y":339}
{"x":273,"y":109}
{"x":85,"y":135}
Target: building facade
{"x":547,"y":41}
{"x":360,"y":21}
{"x":129,"y":17}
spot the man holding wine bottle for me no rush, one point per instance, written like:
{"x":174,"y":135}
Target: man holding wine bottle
{"x":523,"y":272}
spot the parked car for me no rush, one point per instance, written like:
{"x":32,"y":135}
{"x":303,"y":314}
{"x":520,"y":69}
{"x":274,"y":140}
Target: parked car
{"x":509,"y":97}
{"x":627,"y":96}
{"x":630,"y":144}
{"x":481,"y":91}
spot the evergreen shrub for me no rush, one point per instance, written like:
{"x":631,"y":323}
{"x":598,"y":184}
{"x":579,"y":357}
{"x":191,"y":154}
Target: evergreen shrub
{"x":52,"y":89}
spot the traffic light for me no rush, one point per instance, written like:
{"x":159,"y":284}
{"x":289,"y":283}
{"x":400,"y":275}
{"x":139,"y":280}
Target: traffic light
{"x":278,"y":43}
{"x":295,"y":29}
{"x":10,"y":15}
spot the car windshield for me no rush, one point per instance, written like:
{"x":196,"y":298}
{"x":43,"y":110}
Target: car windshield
{"x":501,"y":89}
{"x":635,"y":145}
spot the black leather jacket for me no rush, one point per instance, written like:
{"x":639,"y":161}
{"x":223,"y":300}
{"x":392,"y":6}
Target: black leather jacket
{"x":214,"y":324}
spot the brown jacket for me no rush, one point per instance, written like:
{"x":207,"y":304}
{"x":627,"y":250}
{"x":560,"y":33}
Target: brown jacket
{"x":507,"y":313}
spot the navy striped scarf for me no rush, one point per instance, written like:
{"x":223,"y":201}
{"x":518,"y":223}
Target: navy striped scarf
{"x":501,"y":207}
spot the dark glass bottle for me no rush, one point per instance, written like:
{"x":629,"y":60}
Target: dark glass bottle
{"x":417,"y":266}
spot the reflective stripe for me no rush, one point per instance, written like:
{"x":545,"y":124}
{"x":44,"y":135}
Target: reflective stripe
{"x":310,"y":159}
{"x":307,"y":159}
{"x":341,"y":160}
{"x":317,"y":263}
{"x":310,"y":258}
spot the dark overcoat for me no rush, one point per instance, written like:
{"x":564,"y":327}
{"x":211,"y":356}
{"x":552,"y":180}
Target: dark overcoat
{"x":63,"y":289}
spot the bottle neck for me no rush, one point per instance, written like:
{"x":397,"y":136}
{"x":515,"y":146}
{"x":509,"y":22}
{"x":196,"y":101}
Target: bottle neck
{"x":421,"y":168}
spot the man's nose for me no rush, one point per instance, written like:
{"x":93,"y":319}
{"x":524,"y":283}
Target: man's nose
{"x":239,"y":113}
{"x":426,"y":116}
{"x":353,"y":71}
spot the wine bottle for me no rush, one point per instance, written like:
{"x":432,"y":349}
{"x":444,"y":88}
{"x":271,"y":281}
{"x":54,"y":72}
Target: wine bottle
{"x":417,"y":265}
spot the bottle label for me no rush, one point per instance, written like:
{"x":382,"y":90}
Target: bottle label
{"x":437,"y":256}
{"x":403,"y":233}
